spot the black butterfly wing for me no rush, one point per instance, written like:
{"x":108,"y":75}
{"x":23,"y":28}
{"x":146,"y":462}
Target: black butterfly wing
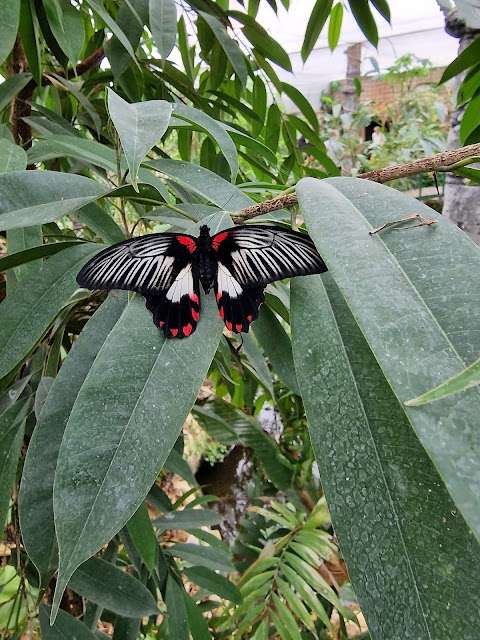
{"x":250,"y":257}
{"x":161,"y":266}
{"x":176,"y":311}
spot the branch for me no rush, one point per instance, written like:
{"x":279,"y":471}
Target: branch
{"x":442,"y":162}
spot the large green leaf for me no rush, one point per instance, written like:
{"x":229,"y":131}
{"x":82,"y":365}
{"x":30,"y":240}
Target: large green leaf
{"x":177,"y":613}
{"x":163,"y":25}
{"x":12,"y":157}
{"x":107,"y":18}
{"x":277,"y":346}
{"x":205,"y":183}
{"x":20,"y":242}
{"x":35,"y":302}
{"x":365,"y":20}
{"x":66,"y":626}
{"x":11,"y":86}
{"x":215,"y":583}
{"x":8,"y":26}
{"x":467,"y":58}
{"x":409,"y":554}
{"x":140,"y":126}
{"x":124,"y":423}
{"x":59,"y":146}
{"x":12,"y":427}
{"x":36,"y":489}
{"x":38,"y":197}
{"x":416,"y":296}
{"x":230,"y":47}
{"x":214,"y":130}
{"x":469,"y":377}
{"x":316,"y":22}
{"x":66,"y":24}
{"x":142,"y":534}
{"x":113,"y":589}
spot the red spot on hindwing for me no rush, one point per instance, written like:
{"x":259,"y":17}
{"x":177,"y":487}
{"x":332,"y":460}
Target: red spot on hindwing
{"x":228,"y":325}
{"x":219,"y":295}
{"x":187,"y":329}
{"x":174,"y":332}
{"x":195,"y":315}
{"x":218,"y":239}
{"x":161,"y":323}
{"x":194,"y":297}
{"x":221,"y":313}
{"x":238,"y":327}
{"x":189,"y":243}
{"x":249,"y":318}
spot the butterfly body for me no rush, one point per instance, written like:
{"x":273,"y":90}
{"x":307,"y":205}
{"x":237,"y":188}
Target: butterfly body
{"x":167,"y":268}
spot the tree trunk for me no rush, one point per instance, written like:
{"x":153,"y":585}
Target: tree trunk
{"x":462,"y":201}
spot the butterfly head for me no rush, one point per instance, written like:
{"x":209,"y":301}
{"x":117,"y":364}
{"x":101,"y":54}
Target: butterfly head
{"x":204,"y":231}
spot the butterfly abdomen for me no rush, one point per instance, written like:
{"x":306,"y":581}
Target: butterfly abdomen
{"x":206,"y":271}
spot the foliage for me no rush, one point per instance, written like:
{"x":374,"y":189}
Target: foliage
{"x":411,"y":126}
{"x":118,"y":134}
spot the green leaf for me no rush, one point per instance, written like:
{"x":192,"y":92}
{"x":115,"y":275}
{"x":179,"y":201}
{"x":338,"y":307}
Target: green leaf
{"x":295,"y":603}
{"x":8,"y":26}
{"x":277,"y":345}
{"x":140,"y":126}
{"x":29,"y":310}
{"x":163,"y":25}
{"x":60,"y":146}
{"x":302,"y":103}
{"x":316,"y":22}
{"x":267,"y":67}
{"x":468,"y":57}
{"x":113,"y":589}
{"x":34,"y":253}
{"x":185,"y":49}
{"x":272,"y":128}
{"x":141,"y":532}
{"x":65,"y":626}
{"x":257,"y":360}
{"x":110,"y":22}
{"x":262,"y":41}
{"x":67,"y":27}
{"x":159,"y":381}
{"x":382,"y":7}
{"x":416,"y":340}
{"x":230,"y":47}
{"x":365,"y":20}
{"x":36,"y":489}
{"x":469,"y":124}
{"x":100,"y":222}
{"x":335,"y":25}
{"x":205,"y":183}
{"x":286,"y":618}
{"x":409,"y":540}
{"x":12,"y":157}
{"x":214,"y":130}
{"x":230,"y":426}
{"x":130,"y":19}
{"x":187,"y":519}
{"x":17,"y":241}
{"x":11,"y":86}
{"x":12,"y":428}
{"x":176,"y":611}
{"x":203,"y":556}
{"x":469,"y":377}
{"x":38,"y":197}
{"x":259,"y":103}
{"x":214,"y":583}
{"x":196,"y":622}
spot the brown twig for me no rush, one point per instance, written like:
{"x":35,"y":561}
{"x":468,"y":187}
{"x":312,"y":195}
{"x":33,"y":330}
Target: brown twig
{"x":442,"y":162}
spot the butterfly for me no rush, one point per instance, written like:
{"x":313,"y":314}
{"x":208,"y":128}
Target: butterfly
{"x":167,"y":269}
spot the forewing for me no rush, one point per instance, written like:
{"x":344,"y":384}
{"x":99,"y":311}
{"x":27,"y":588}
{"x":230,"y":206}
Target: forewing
{"x":177,"y":310}
{"x":258,"y":254}
{"x":237,"y":305}
{"x":148,"y":264}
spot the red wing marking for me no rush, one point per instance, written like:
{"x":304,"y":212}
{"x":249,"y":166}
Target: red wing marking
{"x":161,"y":323}
{"x":218,"y":239}
{"x":249,"y":318}
{"x":219,"y":295}
{"x":174,"y":332}
{"x":238,"y":327}
{"x":194,"y":297}
{"x":187,"y":330}
{"x":221,"y":313}
{"x":229,"y":325}
{"x":195,"y":315}
{"x":189,"y":243}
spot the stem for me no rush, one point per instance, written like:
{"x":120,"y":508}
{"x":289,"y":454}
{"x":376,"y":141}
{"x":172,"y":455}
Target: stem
{"x":445,"y":161}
